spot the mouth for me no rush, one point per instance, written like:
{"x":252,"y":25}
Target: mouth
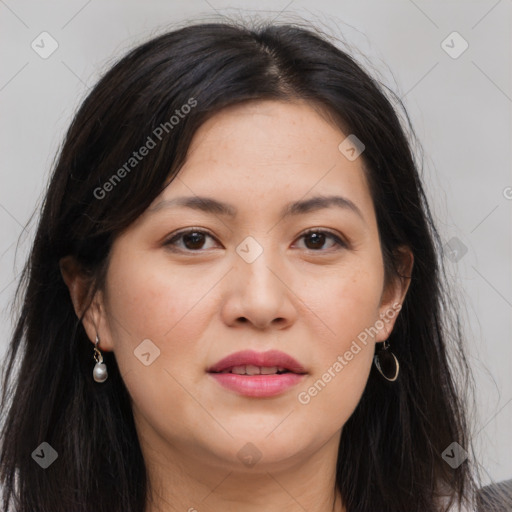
{"x":250,"y":369}
{"x":256,"y":374}
{"x":249,"y":362}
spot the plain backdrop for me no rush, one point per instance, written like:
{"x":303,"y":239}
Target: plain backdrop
{"x":456,"y":88}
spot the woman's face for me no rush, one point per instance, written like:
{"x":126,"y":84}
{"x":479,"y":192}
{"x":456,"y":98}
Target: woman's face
{"x":250,"y":279}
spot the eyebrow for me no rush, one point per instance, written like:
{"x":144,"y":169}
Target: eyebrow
{"x":210,"y":205}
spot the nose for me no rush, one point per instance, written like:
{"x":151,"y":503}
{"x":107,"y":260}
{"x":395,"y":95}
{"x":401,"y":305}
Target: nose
{"x":258,"y":294}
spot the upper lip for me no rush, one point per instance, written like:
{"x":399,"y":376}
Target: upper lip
{"x":262,"y":359}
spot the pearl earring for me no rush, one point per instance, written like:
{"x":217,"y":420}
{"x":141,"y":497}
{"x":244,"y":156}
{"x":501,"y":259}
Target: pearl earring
{"x":99,"y":373}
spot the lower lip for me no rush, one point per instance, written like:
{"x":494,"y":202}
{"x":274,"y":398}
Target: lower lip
{"x":258,"y":385}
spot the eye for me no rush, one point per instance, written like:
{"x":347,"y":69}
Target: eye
{"x":316,"y":238}
{"x":192,"y":240}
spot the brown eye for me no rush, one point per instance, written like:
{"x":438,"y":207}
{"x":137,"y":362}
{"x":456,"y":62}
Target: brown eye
{"x":315,"y":239}
{"x":192,"y":240}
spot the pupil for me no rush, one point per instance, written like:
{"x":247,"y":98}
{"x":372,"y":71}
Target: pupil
{"x":195,"y":238}
{"x":318,"y":238}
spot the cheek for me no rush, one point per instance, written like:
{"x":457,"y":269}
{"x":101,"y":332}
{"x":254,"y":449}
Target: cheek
{"x":347,"y":303}
{"x":150,"y":300}
{"x":357,"y":300}
{"x":146,"y":301}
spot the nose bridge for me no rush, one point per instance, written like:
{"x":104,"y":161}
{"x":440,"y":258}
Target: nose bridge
{"x":263,"y":296}
{"x":256,"y":257}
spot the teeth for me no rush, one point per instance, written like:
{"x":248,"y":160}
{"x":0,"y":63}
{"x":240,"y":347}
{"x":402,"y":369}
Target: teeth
{"x":250,"y":369}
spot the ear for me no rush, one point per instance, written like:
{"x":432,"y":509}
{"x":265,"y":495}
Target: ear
{"x":394,"y":292}
{"x":92,"y":308}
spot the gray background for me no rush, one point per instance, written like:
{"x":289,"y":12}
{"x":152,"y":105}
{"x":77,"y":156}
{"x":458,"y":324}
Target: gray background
{"x":460,"y":108}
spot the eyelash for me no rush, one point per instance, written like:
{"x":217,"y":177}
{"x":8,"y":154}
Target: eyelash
{"x":172,"y":241}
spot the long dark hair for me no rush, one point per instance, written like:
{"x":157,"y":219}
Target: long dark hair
{"x":391,"y":451}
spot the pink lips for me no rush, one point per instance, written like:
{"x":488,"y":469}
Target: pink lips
{"x":258,"y":385}
{"x":269,"y":359}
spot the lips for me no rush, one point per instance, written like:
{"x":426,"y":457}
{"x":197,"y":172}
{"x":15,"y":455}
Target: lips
{"x":258,"y":374}
{"x":249,"y":362}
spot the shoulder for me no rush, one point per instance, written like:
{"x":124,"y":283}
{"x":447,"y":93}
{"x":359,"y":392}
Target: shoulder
{"x":496,"y":497}
{"x":462,"y":508}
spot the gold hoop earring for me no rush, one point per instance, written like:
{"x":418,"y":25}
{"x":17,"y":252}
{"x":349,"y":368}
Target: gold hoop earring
{"x":99,"y":373}
{"x":387,"y":363}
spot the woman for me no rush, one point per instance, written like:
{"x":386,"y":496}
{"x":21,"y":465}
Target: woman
{"x":187,"y":343}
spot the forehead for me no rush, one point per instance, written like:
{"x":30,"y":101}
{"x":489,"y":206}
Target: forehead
{"x":268,"y":129}
{"x":264,"y":152}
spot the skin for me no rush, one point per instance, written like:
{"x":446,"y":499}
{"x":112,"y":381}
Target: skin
{"x":310,"y":299}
